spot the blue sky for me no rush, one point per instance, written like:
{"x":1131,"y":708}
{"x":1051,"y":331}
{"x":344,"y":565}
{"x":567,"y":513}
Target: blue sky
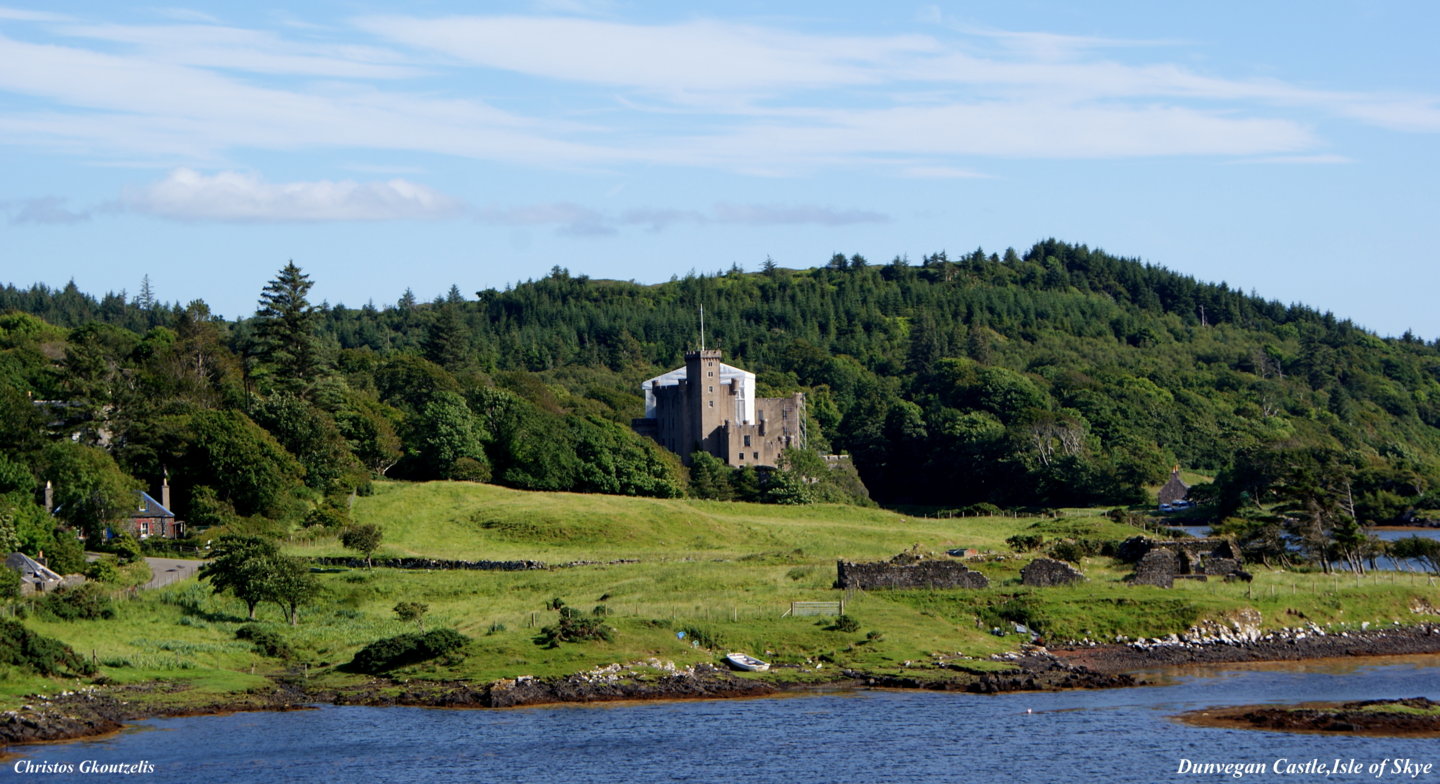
{"x":1284,"y":147}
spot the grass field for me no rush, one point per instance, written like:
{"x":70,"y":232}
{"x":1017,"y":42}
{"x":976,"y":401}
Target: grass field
{"x":725,"y":573}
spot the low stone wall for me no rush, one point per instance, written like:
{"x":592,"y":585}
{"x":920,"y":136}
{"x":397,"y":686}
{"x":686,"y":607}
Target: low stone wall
{"x":920,"y":574}
{"x":434,"y":564}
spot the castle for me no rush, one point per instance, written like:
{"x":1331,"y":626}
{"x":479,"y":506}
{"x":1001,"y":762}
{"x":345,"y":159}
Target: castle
{"x":709,"y":406}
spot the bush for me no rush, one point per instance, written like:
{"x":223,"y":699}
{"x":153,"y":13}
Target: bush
{"x":573,"y":627}
{"x":1024,"y":543}
{"x":267,"y":641}
{"x":1066,"y":550}
{"x":392,"y":652}
{"x":983,"y":509}
{"x":412,"y":611}
{"x":706,"y":637}
{"x":126,"y":547}
{"x":468,"y":469}
{"x":103,"y":570}
{"x":844,"y":623}
{"x":23,"y":648}
{"x":9,"y":584}
{"x":84,"y":602}
{"x":326,"y":516}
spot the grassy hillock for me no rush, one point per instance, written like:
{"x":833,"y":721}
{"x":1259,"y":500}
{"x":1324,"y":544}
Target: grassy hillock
{"x":464,"y":520}
{"x":724,"y":574}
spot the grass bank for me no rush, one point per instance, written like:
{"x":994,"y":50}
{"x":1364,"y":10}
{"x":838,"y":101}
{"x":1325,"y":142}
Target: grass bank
{"x":723,"y":574}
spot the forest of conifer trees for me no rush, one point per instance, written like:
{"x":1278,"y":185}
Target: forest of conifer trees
{"x":1063,"y":376}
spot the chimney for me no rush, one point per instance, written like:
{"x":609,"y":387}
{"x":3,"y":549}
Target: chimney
{"x":165,"y":489}
{"x":49,"y":498}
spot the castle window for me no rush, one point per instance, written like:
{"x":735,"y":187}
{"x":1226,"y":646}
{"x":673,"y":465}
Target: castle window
{"x":712,"y":404}
{"x":747,"y":440}
{"x":710,"y":389}
{"x":742,"y":455}
{"x":755,"y":455}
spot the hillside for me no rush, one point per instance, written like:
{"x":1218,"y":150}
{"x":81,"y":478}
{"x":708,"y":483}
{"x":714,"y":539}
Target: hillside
{"x":1063,"y":376}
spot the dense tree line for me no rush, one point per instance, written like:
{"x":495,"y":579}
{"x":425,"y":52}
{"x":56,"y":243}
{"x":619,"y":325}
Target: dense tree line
{"x":1063,"y":375}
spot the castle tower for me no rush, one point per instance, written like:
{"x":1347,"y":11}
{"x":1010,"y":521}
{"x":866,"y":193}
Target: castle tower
{"x":705,"y":401}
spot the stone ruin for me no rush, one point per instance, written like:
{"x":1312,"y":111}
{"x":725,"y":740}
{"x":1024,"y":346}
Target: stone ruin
{"x":1049,"y":573}
{"x":910,"y":569}
{"x":1162,"y":563}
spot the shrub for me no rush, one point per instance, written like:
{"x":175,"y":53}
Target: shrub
{"x":707,"y":638}
{"x":412,"y":611}
{"x":573,"y":626}
{"x":326,"y":516}
{"x":1066,"y":550}
{"x":1024,"y":543}
{"x":103,"y":570}
{"x":392,"y":652}
{"x":9,"y":584}
{"x":844,"y":623}
{"x":983,"y":509}
{"x":87,"y":601}
{"x":267,"y":641}
{"x":468,"y":469}
{"x":23,"y":648}
{"x":126,"y":547}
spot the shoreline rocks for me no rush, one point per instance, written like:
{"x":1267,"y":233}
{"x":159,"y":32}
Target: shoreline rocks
{"x":1367,"y":717}
{"x":1248,"y":645}
{"x":94,"y":711}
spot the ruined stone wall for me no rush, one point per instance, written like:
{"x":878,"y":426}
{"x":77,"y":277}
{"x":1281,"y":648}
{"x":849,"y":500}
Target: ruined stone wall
{"x":1161,"y":563}
{"x":1049,"y":573}
{"x":920,"y":574}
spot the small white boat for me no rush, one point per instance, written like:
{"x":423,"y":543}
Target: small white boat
{"x":744,"y":661}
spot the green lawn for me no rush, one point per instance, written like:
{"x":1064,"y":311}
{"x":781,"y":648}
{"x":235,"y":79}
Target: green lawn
{"x":726,"y":571}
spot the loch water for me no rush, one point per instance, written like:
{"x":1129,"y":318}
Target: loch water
{"x":1112,"y":736}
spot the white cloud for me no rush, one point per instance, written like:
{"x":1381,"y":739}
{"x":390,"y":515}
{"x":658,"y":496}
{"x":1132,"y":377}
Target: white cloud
{"x":570,"y":219}
{"x":22,"y":15}
{"x":748,"y":98}
{"x":792,"y":215}
{"x":257,"y":51}
{"x":131,"y":105}
{"x":574,"y":220}
{"x":44,"y":210}
{"x":685,"y":57}
{"x":188,"y":195}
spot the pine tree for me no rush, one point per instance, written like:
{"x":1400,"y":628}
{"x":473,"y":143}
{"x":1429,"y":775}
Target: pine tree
{"x":285,"y":328}
{"x":146,"y":299}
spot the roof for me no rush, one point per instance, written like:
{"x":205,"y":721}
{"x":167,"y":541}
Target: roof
{"x":1174,"y":490}
{"x":729,"y":374}
{"x":149,"y":507}
{"x":29,"y":567}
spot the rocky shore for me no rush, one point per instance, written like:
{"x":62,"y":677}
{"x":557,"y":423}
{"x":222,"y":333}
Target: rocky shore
{"x":97,"y":710}
{"x":1413,"y":717}
{"x":1239,"y":643}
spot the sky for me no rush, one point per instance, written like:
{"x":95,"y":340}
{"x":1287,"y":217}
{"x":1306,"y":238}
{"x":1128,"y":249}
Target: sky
{"x":1287,"y":148}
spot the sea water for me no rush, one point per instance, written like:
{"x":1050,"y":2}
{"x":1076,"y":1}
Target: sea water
{"x":1112,"y":736}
